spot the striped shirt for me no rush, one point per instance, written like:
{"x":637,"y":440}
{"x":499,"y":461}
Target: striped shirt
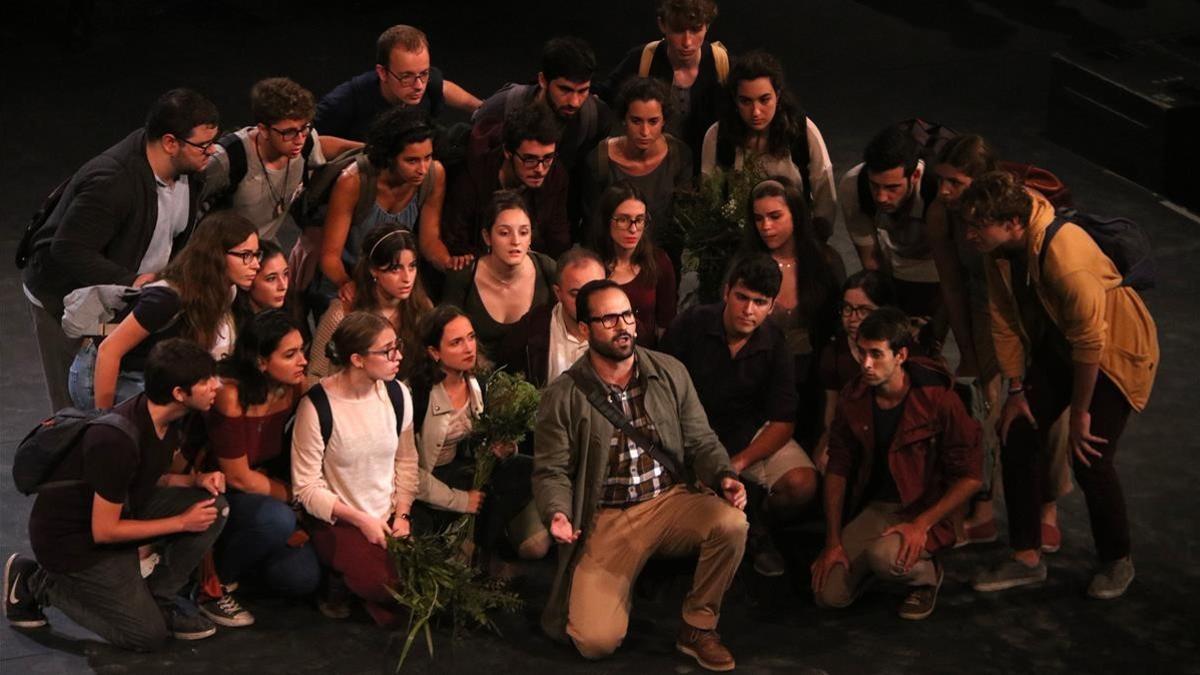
{"x":633,"y":473}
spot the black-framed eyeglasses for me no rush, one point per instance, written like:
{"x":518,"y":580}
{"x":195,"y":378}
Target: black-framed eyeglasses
{"x":247,"y":255}
{"x":610,"y":320}
{"x":409,"y":79}
{"x":291,"y":133}
{"x":533,"y":161}
{"x":861,"y":311}
{"x":207,"y":147}
{"x":392,"y":353}
{"x":630,"y":222}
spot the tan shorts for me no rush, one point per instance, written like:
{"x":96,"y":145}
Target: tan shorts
{"x":767,"y":472}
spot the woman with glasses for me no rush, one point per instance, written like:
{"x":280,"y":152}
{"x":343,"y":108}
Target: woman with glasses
{"x":357,"y":477}
{"x":388,"y":285}
{"x":806,"y":307}
{"x":397,"y":184}
{"x":192,"y":299}
{"x":761,"y":124}
{"x":864,"y":292}
{"x":500,"y":287}
{"x":654,"y":162}
{"x":622,"y":239}
{"x":448,"y":396}
{"x":261,"y":384}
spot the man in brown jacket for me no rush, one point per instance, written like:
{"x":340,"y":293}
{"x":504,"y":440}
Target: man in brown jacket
{"x":613,"y":495}
{"x":1067,"y":333}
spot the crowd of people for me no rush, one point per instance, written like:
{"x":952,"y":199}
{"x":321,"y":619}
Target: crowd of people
{"x":287,"y":412}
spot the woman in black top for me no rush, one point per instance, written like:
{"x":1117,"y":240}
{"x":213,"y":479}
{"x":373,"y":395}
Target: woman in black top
{"x":192,"y":300}
{"x":497,"y":290}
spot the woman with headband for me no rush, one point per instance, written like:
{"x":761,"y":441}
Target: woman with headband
{"x":398,"y":184}
{"x":387,"y":285}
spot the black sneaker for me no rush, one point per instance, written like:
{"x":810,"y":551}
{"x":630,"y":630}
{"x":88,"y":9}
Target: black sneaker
{"x":186,"y":625}
{"x":20,"y":607}
{"x":226,"y":610}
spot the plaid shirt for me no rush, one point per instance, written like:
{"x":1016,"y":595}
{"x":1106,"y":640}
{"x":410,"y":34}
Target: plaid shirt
{"x":633,"y":473}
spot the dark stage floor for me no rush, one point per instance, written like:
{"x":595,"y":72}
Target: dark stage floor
{"x":980,"y":65}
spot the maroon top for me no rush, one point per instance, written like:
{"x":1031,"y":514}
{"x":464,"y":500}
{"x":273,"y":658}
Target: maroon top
{"x":653,"y":300}
{"x":936,"y":443}
{"x":837,"y":366}
{"x":258,"y":439}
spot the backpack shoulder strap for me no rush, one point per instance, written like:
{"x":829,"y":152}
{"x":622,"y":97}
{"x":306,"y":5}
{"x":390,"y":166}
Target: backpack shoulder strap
{"x":721,"y":62}
{"x":865,"y":203}
{"x":602,"y":159}
{"x":726,"y":154}
{"x":1051,"y":230}
{"x":320,"y":401}
{"x":396,"y":395}
{"x":648,"y":57}
{"x":800,"y":150}
{"x":366,"y":188}
{"x":589,"y":118}
{"x":121,"y":422}
{"x":235,"y":152}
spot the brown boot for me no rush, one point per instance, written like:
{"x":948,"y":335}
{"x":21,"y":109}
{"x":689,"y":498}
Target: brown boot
{"x":705,"y":646}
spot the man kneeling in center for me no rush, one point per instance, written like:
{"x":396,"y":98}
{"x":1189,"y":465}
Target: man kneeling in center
{"x":906,"y":454}
{"x":626,"y":467}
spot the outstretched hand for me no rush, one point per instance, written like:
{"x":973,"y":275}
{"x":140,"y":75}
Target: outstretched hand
{"x":562,"y":530}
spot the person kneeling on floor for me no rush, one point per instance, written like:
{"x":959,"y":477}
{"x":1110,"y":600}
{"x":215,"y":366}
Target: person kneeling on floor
{"x":109,"y":494}
{"x":904,"y":449}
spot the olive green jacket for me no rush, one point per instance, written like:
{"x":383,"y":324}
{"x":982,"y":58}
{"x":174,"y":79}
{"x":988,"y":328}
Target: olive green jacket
{"x":571,"y":454}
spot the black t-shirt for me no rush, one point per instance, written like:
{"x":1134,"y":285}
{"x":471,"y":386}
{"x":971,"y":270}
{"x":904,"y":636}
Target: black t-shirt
{"x":60,"y":526}
{"x":881,"y":486}
{"x":158,"y":309}
{"x":348,"y":110}
{"x":739,"y":393}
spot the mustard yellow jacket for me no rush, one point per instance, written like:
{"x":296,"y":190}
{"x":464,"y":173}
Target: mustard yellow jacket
{"x":1080,"y":288}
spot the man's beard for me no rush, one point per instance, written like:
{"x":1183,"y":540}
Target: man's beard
{"x":610,"y":350}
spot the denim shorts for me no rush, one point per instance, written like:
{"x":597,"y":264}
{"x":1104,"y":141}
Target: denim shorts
{"x":82,"y":380}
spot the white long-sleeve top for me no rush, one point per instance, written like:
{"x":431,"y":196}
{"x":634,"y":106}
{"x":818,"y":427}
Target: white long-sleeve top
{"x":367,"y":464}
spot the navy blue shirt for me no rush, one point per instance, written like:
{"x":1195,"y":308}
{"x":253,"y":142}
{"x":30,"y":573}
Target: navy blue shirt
{"x":739,"y":393}
{"x":348,"y":110}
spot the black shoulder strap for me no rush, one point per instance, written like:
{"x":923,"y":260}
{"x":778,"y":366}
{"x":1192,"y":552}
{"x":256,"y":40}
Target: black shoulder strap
{"x":1051,"y":230}
{"x":235,"y":151}
{"x":800,"y":151}
{"x":320,"y":401}
{"x":591,"y":389}
{"x":396,"y":394}
{"x":110,"y":419}
{"x":725,"y":151}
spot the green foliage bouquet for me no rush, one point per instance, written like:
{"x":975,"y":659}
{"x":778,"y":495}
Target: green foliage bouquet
{"x":709,"y":224}
{"x":435,"y":577}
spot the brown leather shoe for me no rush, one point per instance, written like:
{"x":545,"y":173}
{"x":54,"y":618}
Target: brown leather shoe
{"x":704,"y":646}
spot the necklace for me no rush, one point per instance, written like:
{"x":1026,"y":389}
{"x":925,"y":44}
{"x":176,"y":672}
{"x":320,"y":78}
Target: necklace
{"x":499,"y":279}
{"x":277,"y":197}
{"x":785,"y":265}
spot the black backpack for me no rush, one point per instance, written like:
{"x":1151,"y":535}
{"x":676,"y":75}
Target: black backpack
{"x":47,"y":444}
{"x":320,"y":401}
{"x":1122,"y":240}
{"x":39,"y":218}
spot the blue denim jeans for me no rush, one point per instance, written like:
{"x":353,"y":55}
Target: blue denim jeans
{"x":81,"y":381}
{"x":254,"y":543}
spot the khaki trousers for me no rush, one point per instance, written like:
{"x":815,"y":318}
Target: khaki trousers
{"x":871,"y":554}
{"x":676,"y":523}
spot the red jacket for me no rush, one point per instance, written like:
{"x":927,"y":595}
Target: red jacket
{"x":936,"y":443}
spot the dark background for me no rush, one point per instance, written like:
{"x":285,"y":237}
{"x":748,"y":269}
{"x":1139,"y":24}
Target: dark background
{"x":77,"y":77}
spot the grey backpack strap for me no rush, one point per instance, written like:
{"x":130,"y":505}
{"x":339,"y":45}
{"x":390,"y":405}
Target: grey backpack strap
{"x":366,"y":189}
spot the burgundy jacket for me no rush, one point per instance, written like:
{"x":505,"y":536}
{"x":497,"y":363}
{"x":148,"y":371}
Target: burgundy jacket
{"x":936,"y":443}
